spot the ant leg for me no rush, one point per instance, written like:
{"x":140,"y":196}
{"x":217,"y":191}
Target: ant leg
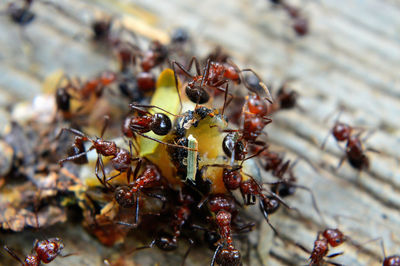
{"x":15,"y":256}
{"x":106,"y":120}
{"x":135,"y":105}
{"x":166,"y":143}
{"x":264,"y":212}
{"x":215,"y":255}
{"x":75,"y":132}
{"x":114,"y":176}
{"x":340,"y":162}
{"x":335,"y":254}
{"x":334,"y":263}
{"x":325,"y":140}
{"x":176,"y":80}
{"x":137,"y":168}
{"x":191,"y":242}
{"x":314,"y":201}
{"x":225,"y":98}
{"x":71,"y":158}
{"x":196,"y":63}
{"x":206,"y":72}
{"x":130,"y":148}
{"x":137,"y":210}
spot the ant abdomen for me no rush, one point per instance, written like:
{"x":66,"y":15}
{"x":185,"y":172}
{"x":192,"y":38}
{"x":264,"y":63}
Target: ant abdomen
{"x":232,"y":144}
{"x":228,"y":257}
{"x":161,"y":124}
{"x":197,"y":95}
{"x":124,"y":197}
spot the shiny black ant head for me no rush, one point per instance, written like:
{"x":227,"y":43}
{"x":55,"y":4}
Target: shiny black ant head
{"x":101,"y":29}
{"x":63,"y":99}
{"x":269,"y":204}
{"x":228,"y":257}
{"x":161,"y":124}
{"x":197,"y":94}
{"x":166,"y":242}
{"x":179,"y":35}
{"x":232,"y":144}
{"x":124,"y":197}
{"x":211,"y":238}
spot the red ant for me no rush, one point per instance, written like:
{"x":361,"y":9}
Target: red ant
{"x":121,"y":158}
{"x":43,"y":251}
{"x":355,"y":153}
{"x":300,"y":23}
{"x":129,"y":196}
{"x":82,"y":92}
{"x":393,"y":260}
{"x":329,"y":237}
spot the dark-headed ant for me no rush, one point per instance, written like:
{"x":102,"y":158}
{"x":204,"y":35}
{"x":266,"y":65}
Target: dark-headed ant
{"x":121,"y":158}
{"x":43,"y":251}
{"x":82,"y":92}
{"x":355,"y":152}
{"x":21,"y":15}
{"x":329,"y":237}
{"x":159,"y":123}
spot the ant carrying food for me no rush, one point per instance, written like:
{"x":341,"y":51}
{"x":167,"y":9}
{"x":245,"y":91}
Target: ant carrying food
{"x":354,"y":152}
{"x":43,"y":251}
{"x":121,"y":159}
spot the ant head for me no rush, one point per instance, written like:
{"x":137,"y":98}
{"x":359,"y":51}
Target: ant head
{"x":341,"y":131}
{"x":124,"y":197}
{"x":32,"y":260}
{"x":257,"y":105}
{"x":334,"y":236}
{"x":232,"y":178}
{"x":228,"y":256}
{"x":161,"y":124}
{"x":197,"y":94}
{"x":165,"y":242}
{"x":392,"y":261}
{"x":283,"y":189}
{"x":269,"y":204}
{"x":233,"y":144}
{"x":48,"y":250}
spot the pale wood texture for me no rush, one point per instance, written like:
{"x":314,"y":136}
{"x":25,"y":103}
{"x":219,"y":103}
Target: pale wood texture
{"x":351,"y":58}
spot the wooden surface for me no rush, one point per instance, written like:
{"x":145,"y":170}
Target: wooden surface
{"x":351,"y":58}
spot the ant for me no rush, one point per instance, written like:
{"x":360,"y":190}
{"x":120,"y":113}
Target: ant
{"x":43,"y":251}
{"x":129,"y":196}
{"x":159,"y":123}
{"x":329,"y":237}
{"x":354,"y":151}
{"x":300,"y":23}
{"x":82,"y":92}
{"x":21,"y":15}
{"x":121,"y":158}
{"x":393,"y":260}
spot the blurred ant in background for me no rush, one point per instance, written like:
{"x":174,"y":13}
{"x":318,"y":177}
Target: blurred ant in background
{"x":329,"y":237}
{"x":300,"y":23}
{"x":43,"y":251}
{"x":20,"y":14}
{"x":354,"y":152}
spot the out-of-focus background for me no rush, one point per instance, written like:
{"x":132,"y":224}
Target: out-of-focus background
{"x":350,"y":59}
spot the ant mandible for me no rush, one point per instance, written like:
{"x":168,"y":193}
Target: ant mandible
{"x":43,"y":251}
{"x":354,"y":151}
{"x":121,"y":158}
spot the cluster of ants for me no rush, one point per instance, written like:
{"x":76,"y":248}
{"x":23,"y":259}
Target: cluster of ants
{"x":189,"y":205}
